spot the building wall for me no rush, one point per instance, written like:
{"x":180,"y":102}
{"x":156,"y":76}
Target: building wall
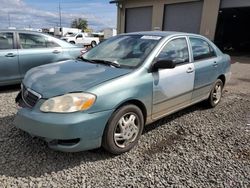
{"x":208,"y":21}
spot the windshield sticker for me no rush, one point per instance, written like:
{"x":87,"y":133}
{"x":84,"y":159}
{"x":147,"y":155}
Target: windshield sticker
{"x":151,"y":37}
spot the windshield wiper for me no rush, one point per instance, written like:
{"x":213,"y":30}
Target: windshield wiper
{"x":111,"y":63}
{"x":88,"y":60}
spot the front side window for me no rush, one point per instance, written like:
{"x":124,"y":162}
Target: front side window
{"x":201,"y":49}
{"x":31,"y":41}
{"x":176,"y":50}
{"x":128,"y":50}
{"x":6,"y":41}
{"x":79,"y":36}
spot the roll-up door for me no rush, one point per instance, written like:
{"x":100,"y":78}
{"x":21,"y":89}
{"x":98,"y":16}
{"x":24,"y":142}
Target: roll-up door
{"x":184,"y":17}
{"x":234,"y":3}
{"x":138,"y":19}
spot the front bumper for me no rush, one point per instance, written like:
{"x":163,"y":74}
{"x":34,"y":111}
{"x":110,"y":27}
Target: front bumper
{"x":86,"y":128}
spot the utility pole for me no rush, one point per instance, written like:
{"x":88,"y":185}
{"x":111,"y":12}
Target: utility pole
{"x":60,"y":14}
{"x":9,"y":19}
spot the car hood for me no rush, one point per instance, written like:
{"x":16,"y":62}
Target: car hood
{"x":69,"y":76}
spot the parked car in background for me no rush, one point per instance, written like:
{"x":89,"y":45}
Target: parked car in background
{"x":23,"y":50}
{"x":82,"y":38}
{"x":64,"y":31}
{"x":121,"y":85}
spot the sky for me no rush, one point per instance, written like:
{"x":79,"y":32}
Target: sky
{"x":45,"y":13}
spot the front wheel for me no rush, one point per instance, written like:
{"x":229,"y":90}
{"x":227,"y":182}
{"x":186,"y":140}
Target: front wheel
{"x":215,"y":94}
{"x":123,"y":129}
{"x":93,"y":44}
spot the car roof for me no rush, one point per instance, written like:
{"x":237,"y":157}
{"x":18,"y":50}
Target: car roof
{"x":21,"y":30}
{"x":162,"y":33}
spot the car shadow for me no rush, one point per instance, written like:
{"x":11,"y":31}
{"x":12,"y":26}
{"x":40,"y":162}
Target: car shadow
{"x":10,"y":88}
{"x":199,"y":106}
{"x":22,"y":156}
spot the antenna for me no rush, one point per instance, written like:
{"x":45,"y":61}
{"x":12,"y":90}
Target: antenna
{"x":60,"y":14}
{"x":9,"y":18}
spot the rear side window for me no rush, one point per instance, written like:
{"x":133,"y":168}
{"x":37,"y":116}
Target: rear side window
{"x":6,"y":41}
{"x":175,"y":50}
{"x":31,"y":41}
{"x":201,"y":49}
{"x":51,"y":43}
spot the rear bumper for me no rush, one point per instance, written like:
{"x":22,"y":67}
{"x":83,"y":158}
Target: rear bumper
{"x":55,"y":128}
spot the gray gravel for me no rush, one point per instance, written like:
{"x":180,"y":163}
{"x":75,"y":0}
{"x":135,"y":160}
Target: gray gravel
{"x":196,"y":147}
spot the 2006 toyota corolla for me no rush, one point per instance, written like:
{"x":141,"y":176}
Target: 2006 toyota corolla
{"x":128,"y":81}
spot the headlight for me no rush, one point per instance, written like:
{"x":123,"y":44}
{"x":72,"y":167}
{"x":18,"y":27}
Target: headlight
{"x":72,"y":102}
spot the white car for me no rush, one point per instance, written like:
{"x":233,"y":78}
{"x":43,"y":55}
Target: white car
{"x":82,"y":38}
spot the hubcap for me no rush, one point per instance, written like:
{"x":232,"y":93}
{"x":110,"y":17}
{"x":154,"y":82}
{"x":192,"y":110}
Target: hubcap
{"x":217,"y":93}
{"x":126,"y":130}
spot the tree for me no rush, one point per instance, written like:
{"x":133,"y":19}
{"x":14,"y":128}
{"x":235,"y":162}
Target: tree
{"x":79,"y":23}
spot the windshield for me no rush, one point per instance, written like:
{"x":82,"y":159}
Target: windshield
{"x":126,"y":50}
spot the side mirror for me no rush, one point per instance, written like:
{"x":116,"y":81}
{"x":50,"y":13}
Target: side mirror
{"x":164,"y":64}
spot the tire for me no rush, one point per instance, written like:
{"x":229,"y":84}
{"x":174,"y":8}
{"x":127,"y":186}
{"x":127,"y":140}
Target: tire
{"x":215,"y":94}
{"x":93,"y":44}
{"x":72,"y":42}
{"x":123,"y":129}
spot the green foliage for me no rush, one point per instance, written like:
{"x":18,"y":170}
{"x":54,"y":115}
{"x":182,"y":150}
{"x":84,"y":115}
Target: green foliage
{"x":79,"y":23}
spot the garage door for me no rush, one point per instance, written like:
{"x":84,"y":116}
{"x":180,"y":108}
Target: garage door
{"x":138,"y":19}
{"x":234,"y":3}
{"x":184,"y":17}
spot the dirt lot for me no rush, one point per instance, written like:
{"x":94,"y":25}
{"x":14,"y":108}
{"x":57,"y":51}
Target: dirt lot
{"x":196,"y":147}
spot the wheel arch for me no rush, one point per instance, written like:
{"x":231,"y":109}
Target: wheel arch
{"x":137,"y":103}
{"x":222,"y":77}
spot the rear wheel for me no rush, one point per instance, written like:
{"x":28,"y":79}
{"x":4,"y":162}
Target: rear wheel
{"x":123,"y":129}
{"x":215,"y":94}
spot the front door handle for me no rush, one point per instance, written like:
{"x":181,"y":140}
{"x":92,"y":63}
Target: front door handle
{"x":56,"y":52}
{"x":10,"y":55}
{"x":190,"y":70}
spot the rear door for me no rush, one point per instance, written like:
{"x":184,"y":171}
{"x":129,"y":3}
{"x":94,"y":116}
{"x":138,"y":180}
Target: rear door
{"x":206,"y":65}
{"x":172,"y":88}
{"x":9,"y":69}
{"x":36,"y":49}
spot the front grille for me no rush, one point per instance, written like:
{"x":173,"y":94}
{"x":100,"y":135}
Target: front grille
{"x":30,"y":97}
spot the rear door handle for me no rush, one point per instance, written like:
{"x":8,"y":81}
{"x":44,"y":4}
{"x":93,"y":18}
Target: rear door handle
{"x":190,"y":70}
{"x":56,"y":52}
{"x":10,"y":55}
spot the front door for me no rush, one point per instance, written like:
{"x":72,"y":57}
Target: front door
{"x":9,"y":69}
{"x":79,"y":39}
{"x":172,"y":88}
{"x":36,"y":50}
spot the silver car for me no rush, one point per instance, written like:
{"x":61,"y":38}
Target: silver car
{"x":23,"y":50}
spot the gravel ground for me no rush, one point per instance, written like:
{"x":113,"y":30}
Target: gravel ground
{"x":196,"y":147}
